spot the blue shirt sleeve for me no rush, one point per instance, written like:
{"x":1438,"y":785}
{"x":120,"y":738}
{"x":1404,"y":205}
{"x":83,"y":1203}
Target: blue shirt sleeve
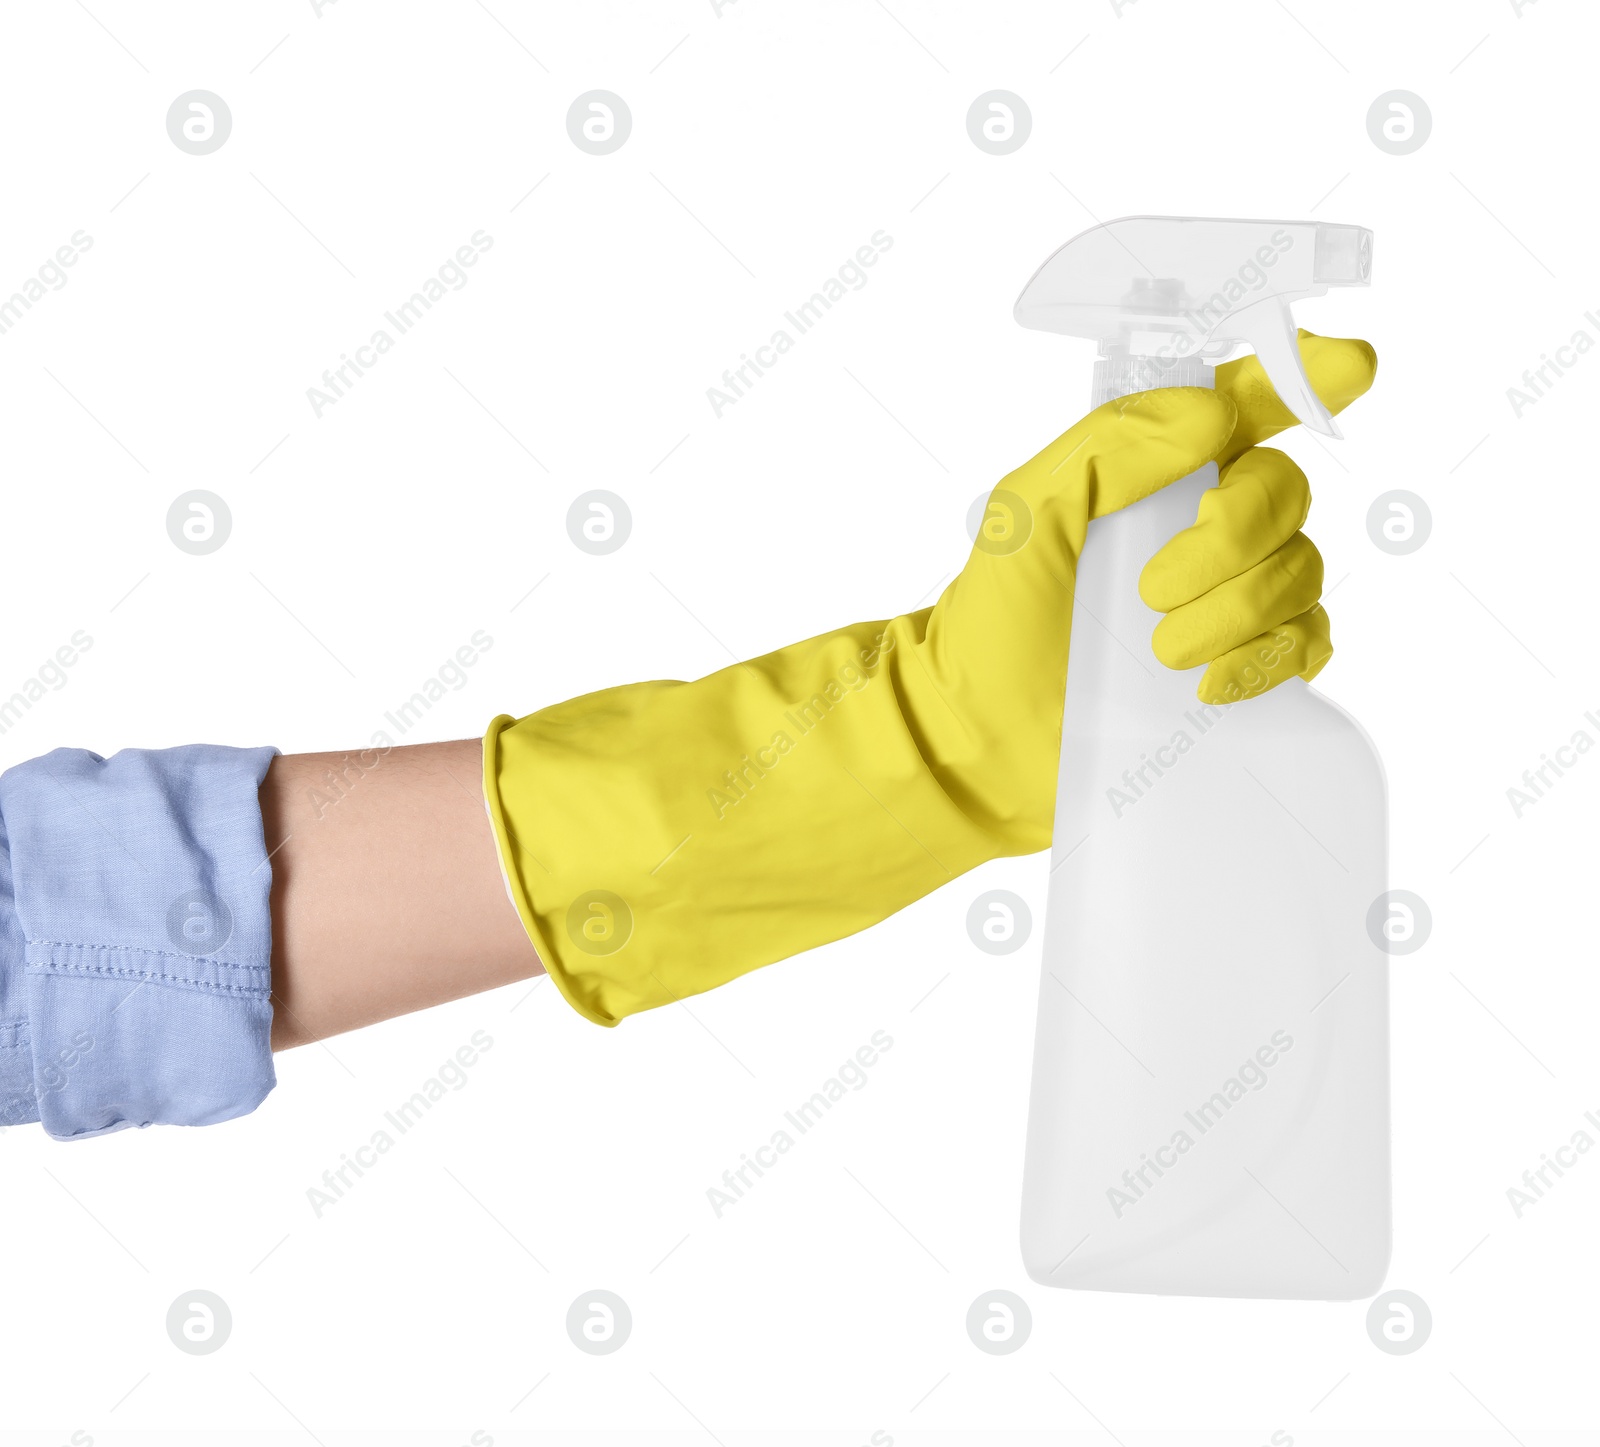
{"x":135,"y":939}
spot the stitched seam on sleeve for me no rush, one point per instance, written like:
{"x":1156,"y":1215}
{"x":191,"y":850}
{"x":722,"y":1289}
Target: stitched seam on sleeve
{"x":142,"y":950}
{"x":260,"y":991}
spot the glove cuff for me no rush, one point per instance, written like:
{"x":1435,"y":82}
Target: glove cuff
{"x":510,"y":875}
{"x":135,"y":894}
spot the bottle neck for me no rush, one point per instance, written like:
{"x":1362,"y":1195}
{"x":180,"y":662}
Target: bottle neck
{"x":1120,"y":371}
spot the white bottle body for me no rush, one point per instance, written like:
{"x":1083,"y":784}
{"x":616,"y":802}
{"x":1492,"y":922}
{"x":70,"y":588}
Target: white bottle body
{"x":1210,"y":888}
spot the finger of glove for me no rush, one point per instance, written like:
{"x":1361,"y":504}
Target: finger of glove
{"x":1340,"y":369}
{"x":1281,"y":587}
{"x":1259,"y":503}
{"x":1122,"y":451}
{"x":1297,"y":648}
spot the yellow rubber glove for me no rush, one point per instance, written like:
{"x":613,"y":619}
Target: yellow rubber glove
{"x":660,"y":839}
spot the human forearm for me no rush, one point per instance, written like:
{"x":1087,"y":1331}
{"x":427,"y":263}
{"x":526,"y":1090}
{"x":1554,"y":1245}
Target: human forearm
{"x":387,"y":895}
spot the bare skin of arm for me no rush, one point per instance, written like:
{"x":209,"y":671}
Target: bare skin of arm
{"x":386,"y":888}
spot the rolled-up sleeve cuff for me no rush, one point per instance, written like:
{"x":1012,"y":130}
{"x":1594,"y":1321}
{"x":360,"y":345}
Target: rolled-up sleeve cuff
{"x":140,"y":890}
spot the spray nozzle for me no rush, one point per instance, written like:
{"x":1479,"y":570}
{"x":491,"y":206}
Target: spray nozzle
{"x":1170,"y":290}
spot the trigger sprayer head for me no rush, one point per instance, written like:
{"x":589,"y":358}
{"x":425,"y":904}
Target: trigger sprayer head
{"x":1171,"y":289}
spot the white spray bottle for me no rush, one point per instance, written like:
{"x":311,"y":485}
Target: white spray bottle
{"x":1210,"y":1109}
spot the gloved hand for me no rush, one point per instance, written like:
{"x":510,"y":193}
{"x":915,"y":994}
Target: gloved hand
{"x":660,"y":839}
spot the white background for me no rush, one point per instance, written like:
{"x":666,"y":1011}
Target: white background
{"x":769,"y":143}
